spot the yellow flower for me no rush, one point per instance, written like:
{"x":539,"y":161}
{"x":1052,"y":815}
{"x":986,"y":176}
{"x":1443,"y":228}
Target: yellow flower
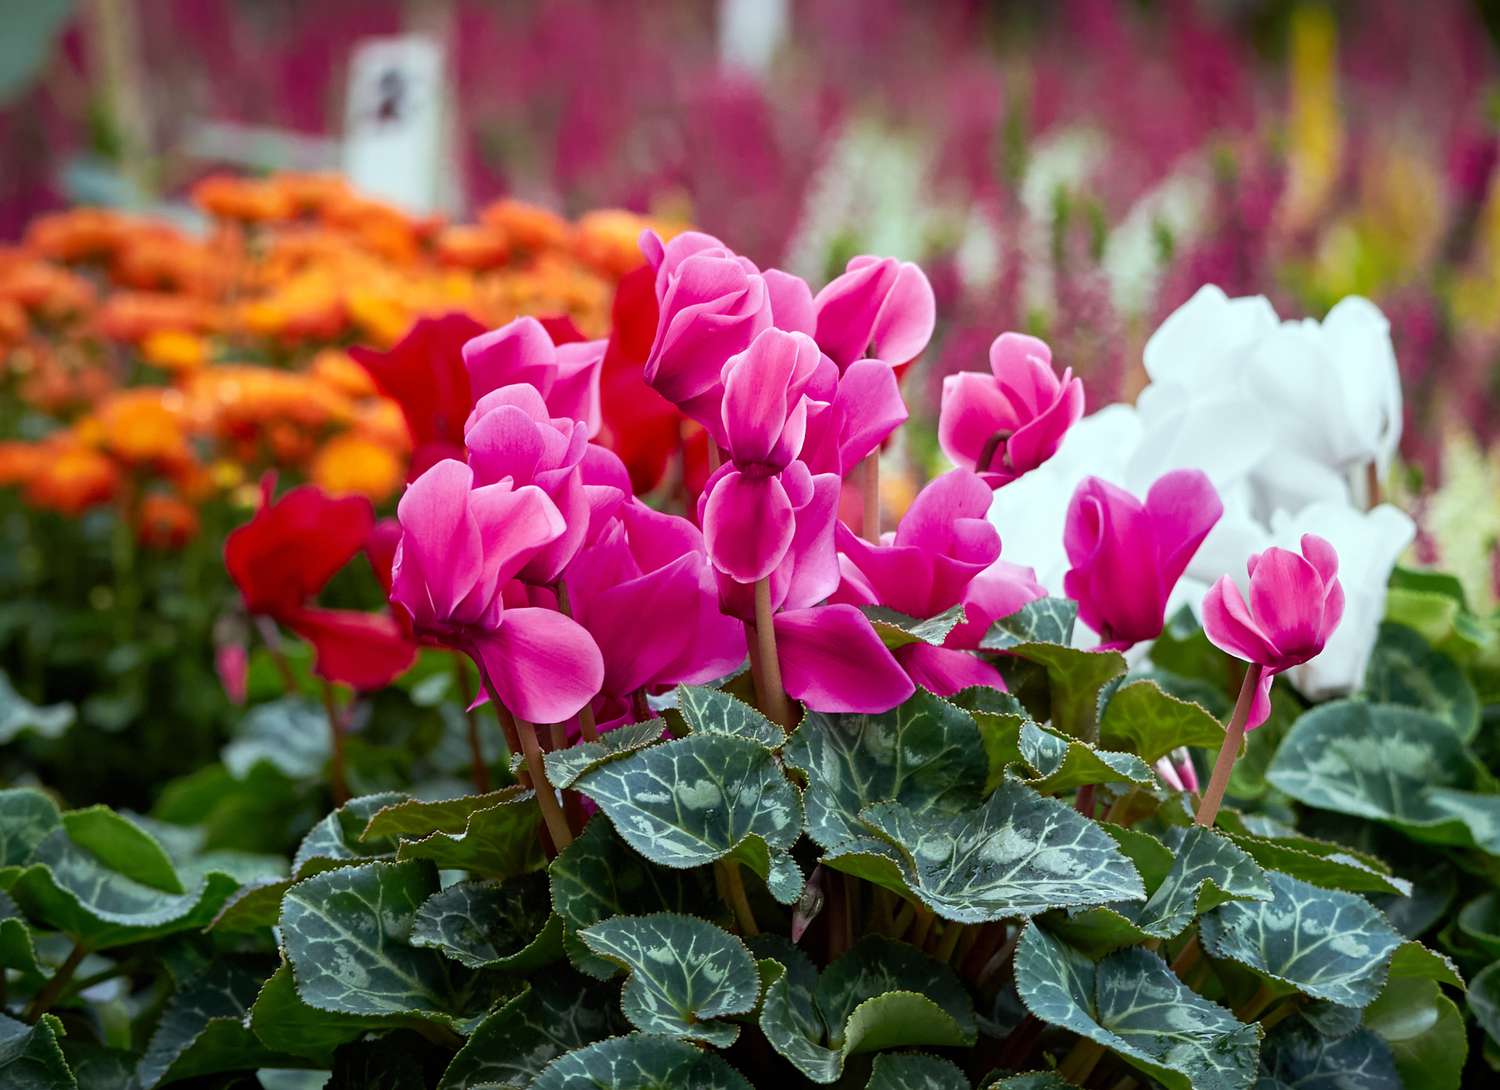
{"x":175,"y":350}
{"x":353,"y":465}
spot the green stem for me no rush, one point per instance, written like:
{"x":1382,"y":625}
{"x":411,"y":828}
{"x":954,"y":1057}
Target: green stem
{"x":734,"y":894}
{"x":43,"y":1000}
{"x":1234,"y":736}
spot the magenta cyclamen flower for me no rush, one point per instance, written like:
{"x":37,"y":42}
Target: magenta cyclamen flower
{"x":460,"y":545}
{"x":567,"y":375}
{"x":1010,"y":421}
{"x":879,"y":307}
{"x":512,"y":435}
{"x":747,"y":514}
{"x":1127,"y":555}
{"x":943,"y":553}
{"x":1295,"y":605}
{"x":850,"y":414}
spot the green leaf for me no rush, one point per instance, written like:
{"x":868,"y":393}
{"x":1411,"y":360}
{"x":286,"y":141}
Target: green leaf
{"x":999,"y":717}
{"x":1404,"y":669}
{"x":17,"y":950}
{"x":17,"y":715}
{"x":1062,"y":763}
{"x":691,"y":801}
{"x":909,"y":1071}
{"x":342,"y":837}
{"x":1016,"y":855}
{"x":713,"y":711}
{"x":1484,"y":1000}
{"x":1424,"y":1030}
{"x":558,"y":1013}
{"x":599,"y":876}
{"x":684,"y":974}
{"x":1142,"y":718}
{"x":896,"y":629}
{"x":1414,"y":961}
{"x":925,"y":754}
{"x":639,"y":1062}
{"x":1036,"y":1080}
{"x":26,"y":818}
{"x":1392,"y":764}
{"x":564,"y":766}
{"x":489,"y":924}
{"x":202,"y":1030}
{"x":1479,"y":920}
{"x":253,"y":906}
{"x":289,"y":734}
{"x":1319,"y":862}
{"x":30,"y":1057}
{"x":1324,"y":943}
{"x":123,"y":846}
{"x":1298,"y":1058}
{"x":1132,"y":1004}
{"x":492,"y":834}
{"x":283,"y":1022}
{"x":881,"y":994}
{"x":99,"y":1068}
{"x":1045,"y":620}
{"x":346,"y":935}
{"x":1040,"y":633}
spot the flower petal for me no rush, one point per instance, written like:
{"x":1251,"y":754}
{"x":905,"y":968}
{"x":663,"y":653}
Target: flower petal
{"x":832,"y":660}
{"x":747,"y":525}
{"x":544,"y":666}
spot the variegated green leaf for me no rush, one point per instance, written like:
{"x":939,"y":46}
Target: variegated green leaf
{"x":1321,"y":863}
{"x":289,"y":734}
{"x":925,"y":754}
{"x":713,"y":711}
{"x":1018,"y":854}
{"x":881,"y":994}
{"x":999,"y":717}
{"x":1390,"y":763}
{"x":342,"y":837}
{"x":1296,"y":1057}
{"x":639,"y":1062}
{"x":910,"y":1071}
{"x":1036,"y":1080}
{"x":1405,"y":669}
{"x":1046,"y":620}
{"x":564,"y":766}
{"x":599,"y":876}
{"x":26,"y":818}
{"x":493,"y":835}
{"x":1133,"y":1005}
{"x":1423,"y":1029}
{"x":30,"y":1058}
{"x":692,"y":801}
{"x":559,"y":1012}
{"x":283,"y":1022}
{"x":1061,"y":763}
{"x":123,"y":846}
{"x":490,"y":924}
{"x":346,"y":935}
{"x":1143,"y":719}
{"x":1324,"y":943}
{"x":896,"y":629}
{"x":685,"y":973}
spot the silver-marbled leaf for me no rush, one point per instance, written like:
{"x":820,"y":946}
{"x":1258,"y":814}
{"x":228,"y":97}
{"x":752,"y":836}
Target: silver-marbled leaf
{"x":913,"y":1071}
{"x":897,"y":629}
{"x":713,"y":711}
{"x":1060,"y":763}
{"x":638,"y":1062}
{"x":1405,"y":669}
{"x":492,"y":924}
{"x":1296,"y":1057}
{"x":564,"y":766}
{"x":1141,"y":717}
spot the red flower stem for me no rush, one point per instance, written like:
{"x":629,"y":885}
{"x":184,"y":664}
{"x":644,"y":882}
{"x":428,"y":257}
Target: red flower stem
{"x":871,"y":522}
{"x":271,"y":636}
{"x":476,"y":752}
{"x":336,"y":781}
{"x":1234,"y":735}
{"x":586,"y":723}
{"x":766,"y":667}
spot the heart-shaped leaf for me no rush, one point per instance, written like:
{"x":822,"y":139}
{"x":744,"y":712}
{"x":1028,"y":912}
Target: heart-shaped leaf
{"x":881,"y":994}
{"x":1297,"y":1057}
{"x":202,"y":1030}
{"x":1324,"y":943}
{"x":1061,"y":763}
{"x":283,"y":1022}
{"x":692,"y":801}
{"x":1133,"y":1005}
{"x":1484,"y":1000}
{"x":289,"y":734}
{"x":343,"y":837}
{"x":346,"y":935}
{"x":1018,"y":854}
{"x":1424,"y":1031}
{"x":26,"y":818}
{"x":564,"y":766}
{"x":123,"y":846}
{"x":558,"y":1013}
{"x":489,"y":924}
{"x":1045,"y":620}
{"x":1144,"y":719}
{"x":639,"y":1062}
{"x":1405,"y":669}
{"x":713,"y":711}
{"x":685,"y":973}
{"x":1319,"y":862}
{"x":493,"y":835}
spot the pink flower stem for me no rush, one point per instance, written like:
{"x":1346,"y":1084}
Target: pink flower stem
{"x":765,"y":666}
{"x":1234,"y":736}
{"x":587,"y":726}
{"x":336,"y":781}
{"x":546,"y":798}
{"x":476,"y":753}
{"x":871,"y":522}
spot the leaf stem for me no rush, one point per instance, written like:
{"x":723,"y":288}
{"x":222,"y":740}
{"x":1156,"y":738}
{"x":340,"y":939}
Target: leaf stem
{"x":43,"y":1000}
{"x":1256,"y":1005}
{"x":546,"y":798}
{"x":481,"y":770}
{"x":336,"y":778}
{"x":871,"y":522}
{"x":948,"y":941}
{"x":734,"y":894}
{"x":765,"y":666}
{"x":1234,"y":735}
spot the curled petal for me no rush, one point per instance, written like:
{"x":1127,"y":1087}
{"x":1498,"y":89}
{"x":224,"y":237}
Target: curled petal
{"x":748,"y":524}
{"x":972,"y":412}
{"x":832,"y":660}
{"x":945,"y":671}
{"x":1286,"y":600}
{"x":1230,"y":627}
{"x":544,"y":666}
{"x":869,"y":408}
{"x":519,"y":351}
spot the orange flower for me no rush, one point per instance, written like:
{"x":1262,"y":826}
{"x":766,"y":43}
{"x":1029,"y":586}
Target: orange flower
{"x":20,"y":462}
{"x":72,"y":478}
{"x":609,"y":240}
{"x":13,"y":323}
{"x":231,"y":198}
{"x":307,"y":307}
{"x":79,"y":234}
{"x":131,"y":316}
{"x":334,"y":368}
{"x":526,"y":226}
{"x":164,"y":260}
{"x":174,"y":350}
{"x":350,"y":464}
{"x":165,"y":522}
{"x":144,"y":427}
{"x":47,"y":290}
{"x":472,"y":246}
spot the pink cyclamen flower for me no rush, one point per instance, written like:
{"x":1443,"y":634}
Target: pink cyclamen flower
{"x":646,"y":593}
{"x":460,"y":546}
{"x":1010,"y":421}
{"x":1177,"y":772}
{"x":879,"y":307}
{"x":566,"y":375}
{"x":1127,"y":555}
{"x":943,"y":553}
{"x":747,"y":513}
{"x":850,"y":414}
{"x":1295,"y":604}
{"x":512,"y":435}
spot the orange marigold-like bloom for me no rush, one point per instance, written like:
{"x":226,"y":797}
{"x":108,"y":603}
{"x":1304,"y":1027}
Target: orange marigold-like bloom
{"x":144,"y":427}
{"x":72,"y":478}
{"x":13,"y":323}
{"x":248,"y":199}
{"x":310,"y":306}
{"x":78,"y":234}
{"x":239,"y":401}
{"x":47,"y":290}
{"x":20,"y":462}
{"x":526,"y":226}
{"x":130,"y":316}
{"x":380,"y":421}
{"x":165,"y":522}
{"x":609,"y":240}
{"x":166,"y":260}
{"x":350,"y":464}
{"x":471,"y":246}
{"x":175,"y":350}
{"x":333,"y":367}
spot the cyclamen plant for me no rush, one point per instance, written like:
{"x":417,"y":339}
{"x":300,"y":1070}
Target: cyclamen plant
{"x":791,"y":799}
